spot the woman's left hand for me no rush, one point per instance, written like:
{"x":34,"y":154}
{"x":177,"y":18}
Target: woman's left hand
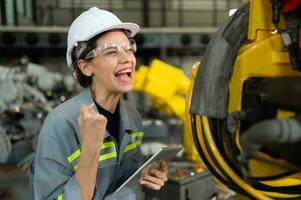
{"x":154,"y":175}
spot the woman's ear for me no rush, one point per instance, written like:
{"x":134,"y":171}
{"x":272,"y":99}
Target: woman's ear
{"x":84,"y":67}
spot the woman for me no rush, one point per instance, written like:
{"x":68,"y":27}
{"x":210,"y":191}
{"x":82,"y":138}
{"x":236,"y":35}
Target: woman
{"x":89,"y":144}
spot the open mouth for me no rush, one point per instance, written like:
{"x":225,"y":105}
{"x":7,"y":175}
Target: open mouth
{"x":124,"y":75}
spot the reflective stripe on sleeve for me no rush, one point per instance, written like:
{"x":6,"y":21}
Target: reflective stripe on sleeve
{"x":60,"y":197}
{"x":103,"y":157}
{"x":107,"y":146}
{"x":76,"y":154}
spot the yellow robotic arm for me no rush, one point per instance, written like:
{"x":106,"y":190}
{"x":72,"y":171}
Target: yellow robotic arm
{"x":166,"y":87}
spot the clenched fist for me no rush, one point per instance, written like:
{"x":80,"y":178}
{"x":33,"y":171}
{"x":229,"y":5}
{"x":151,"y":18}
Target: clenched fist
{"x":92,"y":126}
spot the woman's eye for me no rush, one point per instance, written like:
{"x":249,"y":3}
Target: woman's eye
{"x":110,"y":51}
{"x":130,"y":50}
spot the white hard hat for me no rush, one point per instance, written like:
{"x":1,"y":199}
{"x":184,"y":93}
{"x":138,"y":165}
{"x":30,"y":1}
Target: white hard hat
{"x":89,"y":24}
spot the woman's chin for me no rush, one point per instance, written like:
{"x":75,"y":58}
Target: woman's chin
{"x":126,"y":88}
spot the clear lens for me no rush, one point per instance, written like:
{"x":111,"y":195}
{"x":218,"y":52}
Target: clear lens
{"x":113,"y":50}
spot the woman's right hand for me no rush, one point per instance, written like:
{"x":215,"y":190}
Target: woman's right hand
{"x":92,"y":126}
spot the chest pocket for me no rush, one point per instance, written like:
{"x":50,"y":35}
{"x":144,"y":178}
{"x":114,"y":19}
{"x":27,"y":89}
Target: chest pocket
{"x":107,"y":156}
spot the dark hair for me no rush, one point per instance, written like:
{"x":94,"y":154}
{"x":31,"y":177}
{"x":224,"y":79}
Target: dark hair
{"x":82,"y":79}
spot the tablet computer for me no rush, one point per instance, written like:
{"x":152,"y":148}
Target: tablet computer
{"x":165,"y":153}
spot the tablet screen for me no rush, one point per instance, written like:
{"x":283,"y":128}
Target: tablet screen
{"x":166,"y":153}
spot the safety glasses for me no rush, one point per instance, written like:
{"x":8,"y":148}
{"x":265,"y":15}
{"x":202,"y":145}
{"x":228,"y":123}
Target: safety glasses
{"x":112,"y":50}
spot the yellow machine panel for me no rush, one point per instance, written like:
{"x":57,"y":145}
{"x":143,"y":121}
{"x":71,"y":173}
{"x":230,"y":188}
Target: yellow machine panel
{"x":263,"y":88}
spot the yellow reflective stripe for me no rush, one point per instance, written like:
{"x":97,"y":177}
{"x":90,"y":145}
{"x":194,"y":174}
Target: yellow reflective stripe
{"x":103,"y":157}
{"x":75,"y":155}
{"x":60,"y":197}
{"x":132,"y":146}
{"x":107,"y":156}
{"x":107,"y":145}
{"x":138,"y":142}
{"x":137,"y":134}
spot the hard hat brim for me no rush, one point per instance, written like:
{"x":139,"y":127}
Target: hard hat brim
{"x":133,"y":28}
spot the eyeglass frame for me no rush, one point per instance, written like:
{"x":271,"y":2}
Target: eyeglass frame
{"x":93,"y":53}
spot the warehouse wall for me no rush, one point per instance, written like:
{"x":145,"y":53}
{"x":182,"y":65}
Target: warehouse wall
{"x":158,"y":12}
{"x":191,"y":12}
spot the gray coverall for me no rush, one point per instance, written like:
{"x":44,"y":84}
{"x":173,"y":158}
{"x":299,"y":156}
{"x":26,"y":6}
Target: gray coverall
{"x":58,"y":152}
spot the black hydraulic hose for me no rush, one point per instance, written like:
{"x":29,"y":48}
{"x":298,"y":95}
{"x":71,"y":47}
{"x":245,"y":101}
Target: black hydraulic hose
{"x":295,"y":189}
{"x":218,"y":131}
{"x":220,"y":137}
{"x":204,"y":159}
{"x":231,"y":183}
{"x":273,"y":177}
{"x":257,"y":185}
{"x":228,"y":180}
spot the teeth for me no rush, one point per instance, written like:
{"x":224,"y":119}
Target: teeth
{"x":124,"y":71}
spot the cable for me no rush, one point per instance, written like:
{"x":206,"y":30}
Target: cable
{"x":200,"y":146}
{"x":255,"y":193}
{"x":279,"y":192}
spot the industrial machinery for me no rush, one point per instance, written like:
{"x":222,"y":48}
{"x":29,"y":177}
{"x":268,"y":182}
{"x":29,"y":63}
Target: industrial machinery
{"x":28,"y":93}
{"x":245,"y":101}
{"x":166,"y":87}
